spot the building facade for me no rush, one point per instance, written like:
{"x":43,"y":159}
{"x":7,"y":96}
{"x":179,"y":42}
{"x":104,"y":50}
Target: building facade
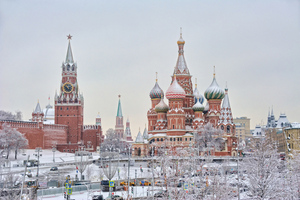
{"x":174,"y":125}
{"x":63,"y":128}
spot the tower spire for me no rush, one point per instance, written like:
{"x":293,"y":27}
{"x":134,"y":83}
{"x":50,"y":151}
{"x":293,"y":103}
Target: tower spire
{"x":119,"y":112}
{"x":181,"y":67}
{"x":214,"y":71}
{"x":156,"y":76}
{"x":69,"y":57}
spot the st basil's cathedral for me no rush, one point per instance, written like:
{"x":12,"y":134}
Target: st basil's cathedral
{"x":174,"y":125}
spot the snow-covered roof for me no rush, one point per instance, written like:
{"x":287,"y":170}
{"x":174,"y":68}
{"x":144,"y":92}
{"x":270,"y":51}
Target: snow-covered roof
{"x":175,"y":90}
{"x":37,"y":108}
{"x":139,"y":138}
{"x":226,"y":114}
{"x":145,"y":134}
{"x":156,"y":92}
{"x":214,"y":91}
{"x":282,"y":121}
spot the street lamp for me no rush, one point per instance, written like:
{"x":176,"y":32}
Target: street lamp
{"x":38,"y":150}
{"x":151,"y":148}
{"x":53,"y":150}
{"x":128,"y":147}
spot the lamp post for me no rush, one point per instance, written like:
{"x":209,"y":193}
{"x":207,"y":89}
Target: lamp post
{"x":38,"y":150}
{"x":110,"y":149}
{"x":151,"y":148}
{"x":128,"y":147}
{"x":53,"y":150}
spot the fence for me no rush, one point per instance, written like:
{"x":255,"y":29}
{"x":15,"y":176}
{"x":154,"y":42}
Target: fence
{"x":61,"y":190}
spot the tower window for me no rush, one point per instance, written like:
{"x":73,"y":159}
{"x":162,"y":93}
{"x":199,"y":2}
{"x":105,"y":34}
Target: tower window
{"x":170,"y":139}
{"x":67,"y":108}
{"x":185,"y":139}
{"x":157,"y":140}
{"x":60,"y":108}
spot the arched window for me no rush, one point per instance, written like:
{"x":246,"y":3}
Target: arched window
{"x":222,"y":127}
{"x":161,"y":139}
{"x":157,"y":139}
{"x":170,"y":139}
{"x":228,"y":129}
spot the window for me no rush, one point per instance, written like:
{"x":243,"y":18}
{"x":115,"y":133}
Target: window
{"x":161,"y":139}
{"x":190,"y":139}
{"x":157,"y":140}
{"x":177,"y":139}
{"x":60,"y":108}
{"x":185,"y":139}
{"x":67,"y":108}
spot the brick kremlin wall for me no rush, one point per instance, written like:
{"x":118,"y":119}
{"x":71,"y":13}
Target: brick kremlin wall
{"x":38,"y":134}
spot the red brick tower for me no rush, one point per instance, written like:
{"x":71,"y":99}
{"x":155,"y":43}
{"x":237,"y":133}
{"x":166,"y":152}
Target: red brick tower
{"x":119,"y":128}
{"x":69,"y":103}
{"x":184,"y":79}
{"x":176,"y":114}
{"x":38,"y":115}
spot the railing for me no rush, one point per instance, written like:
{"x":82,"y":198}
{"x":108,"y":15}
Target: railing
{"x":61,"y":190}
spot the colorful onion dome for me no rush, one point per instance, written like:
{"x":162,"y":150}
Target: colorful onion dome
{"x":214,"y":91}
{"x":161,"y":106}
{"x":156,"y":92}
{"x":175,"y":91}
{"x":198,"y":107}
{"x":198,"y":96}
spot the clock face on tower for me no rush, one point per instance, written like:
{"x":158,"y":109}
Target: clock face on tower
{"x":67,"y":87}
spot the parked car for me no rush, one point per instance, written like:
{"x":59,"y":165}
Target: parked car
{"x":146,"y":183}
{"x":160,"y":183}
{"x":54,"y":169}
{"x":97,"y":197}
{"x":115,"y":197}
{"x":161,"y":193}
{"x":126,"y":183}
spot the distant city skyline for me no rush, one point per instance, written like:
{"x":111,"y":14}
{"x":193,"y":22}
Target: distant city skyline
{"x":119,"y":46}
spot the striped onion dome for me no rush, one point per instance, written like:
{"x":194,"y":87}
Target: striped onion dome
{"x":161,"y":106}
{"x":175,"y":91}
{"x":198,"y":95}
{"x":214,"y":91}
{"x":156,"y":92}
{"x":198,"y":107}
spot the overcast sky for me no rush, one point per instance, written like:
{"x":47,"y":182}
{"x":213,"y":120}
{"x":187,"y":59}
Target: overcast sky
{"x":119,"y":45}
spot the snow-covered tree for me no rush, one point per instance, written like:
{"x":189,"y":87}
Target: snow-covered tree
{"x":111,"y":139}
{"x":208,"y":139}
{"x":4,"y":115}
{"x":11,"y":139}
{"x":262,"y":169}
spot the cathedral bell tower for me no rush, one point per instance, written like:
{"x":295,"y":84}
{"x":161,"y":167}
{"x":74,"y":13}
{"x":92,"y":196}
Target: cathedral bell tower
{"x":183,"y":77}
{"x":69,"y":102}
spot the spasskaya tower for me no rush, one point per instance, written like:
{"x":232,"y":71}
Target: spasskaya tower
{"x":69,"y":102}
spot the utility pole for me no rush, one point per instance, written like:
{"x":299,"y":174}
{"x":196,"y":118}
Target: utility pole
{"x":24,"y":177}
{"x":38,"y":150}
{"x":53,"y":150}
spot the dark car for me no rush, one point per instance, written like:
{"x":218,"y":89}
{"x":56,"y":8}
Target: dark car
{"x":105,"y":182}
{"x":161,"y":193}
{"x":53,"y":169}
{"x":97,"y":197}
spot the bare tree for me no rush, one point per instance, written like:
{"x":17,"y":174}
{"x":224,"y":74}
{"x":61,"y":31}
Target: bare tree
{"x":208,"y":139}
{"x":4,"y":115}
{"x":262,"y":169}
{"x":111,"y":139}
{"x":11,"y":139}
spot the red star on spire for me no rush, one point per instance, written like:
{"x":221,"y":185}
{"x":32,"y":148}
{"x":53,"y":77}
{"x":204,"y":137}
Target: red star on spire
{"x":69,"y":37}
